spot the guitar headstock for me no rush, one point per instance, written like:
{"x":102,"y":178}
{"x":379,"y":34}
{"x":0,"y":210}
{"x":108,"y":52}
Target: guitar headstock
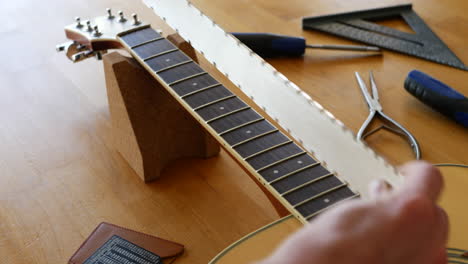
{"x":92,"y":38}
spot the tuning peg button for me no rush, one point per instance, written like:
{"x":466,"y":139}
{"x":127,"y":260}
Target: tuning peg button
{"x":135,"y":19}
{"x":88,"y":25}
{"x":64,"y":46}
{"x":109,"y":13}
{"x":122,"y":18}
{"x":96,"y":31}
{"x":78,"y":22}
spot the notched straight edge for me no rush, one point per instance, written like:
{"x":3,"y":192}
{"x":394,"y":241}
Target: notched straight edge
{"x":195,"y":28}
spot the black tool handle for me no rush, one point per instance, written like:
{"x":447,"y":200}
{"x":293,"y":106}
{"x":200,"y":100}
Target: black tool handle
{"x":438,"y":95}
{"x":269,"y":45}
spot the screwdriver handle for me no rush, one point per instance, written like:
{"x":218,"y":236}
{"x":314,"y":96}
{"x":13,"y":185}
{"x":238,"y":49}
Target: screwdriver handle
{"x":269,"y":45}
{"x":438,"y":95}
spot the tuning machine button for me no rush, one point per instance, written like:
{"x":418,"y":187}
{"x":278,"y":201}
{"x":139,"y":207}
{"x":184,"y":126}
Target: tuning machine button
{"x":81,"y":55}
{"x":88,"y":26}
{"x":97,"y":33}
{"x":122,"y":18}
{"x":78,"y":22}
{"x":135,"y":19}
{"x":109,"y":13}
{"x":64,"y":46}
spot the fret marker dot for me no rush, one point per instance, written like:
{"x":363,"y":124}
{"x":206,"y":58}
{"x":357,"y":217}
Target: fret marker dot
{"x":299,"y":162}
{"x":194,"y":84}
{"x":221,"y":108}
{"x":248,"y":131}
{"x":275,"y":171}
{"x":168,"y":60}
{"x":326,"y":200}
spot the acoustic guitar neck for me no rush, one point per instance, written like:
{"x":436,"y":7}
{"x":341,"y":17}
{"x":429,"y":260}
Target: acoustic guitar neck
{"x":300,"y":182}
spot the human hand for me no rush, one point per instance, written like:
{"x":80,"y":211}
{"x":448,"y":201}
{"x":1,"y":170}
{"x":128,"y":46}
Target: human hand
{"x":397,"y":226}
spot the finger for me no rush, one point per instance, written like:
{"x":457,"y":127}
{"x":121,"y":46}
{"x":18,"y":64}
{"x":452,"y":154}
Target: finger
{"x":441,"y":257}
{"x":443,"y":222}
{"x":422,"y":179}
{"x":379,"y":188}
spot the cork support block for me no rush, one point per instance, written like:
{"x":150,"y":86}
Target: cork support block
{"x":149,"y":127}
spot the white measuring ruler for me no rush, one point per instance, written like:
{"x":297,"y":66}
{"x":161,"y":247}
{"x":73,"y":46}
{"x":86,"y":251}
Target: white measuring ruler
{"x":307,"y":121}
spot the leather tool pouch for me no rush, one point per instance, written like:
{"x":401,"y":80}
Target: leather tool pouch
{"x":130,"y":244}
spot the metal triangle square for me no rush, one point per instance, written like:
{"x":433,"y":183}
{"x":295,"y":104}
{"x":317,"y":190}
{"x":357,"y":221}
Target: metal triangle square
{"x":424,"y":43}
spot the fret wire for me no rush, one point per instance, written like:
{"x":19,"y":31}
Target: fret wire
{"x":255,"y":137}
{"x":214,"y":102}
{"x":227,"y":114}
{"x":268,"y":149}
{"x":174,"y":66}
{"x":320,"y":194}
{"x":187,"y":78}
{"x":280,"y":161}
{"x":241,"y":126}
{"x":333,"y":205}
{"x":306,"y":184}
{"x":146,"y":42}
{"x":160,"y":54}
{"x":294,"y":172}
{"x":200,"y":90}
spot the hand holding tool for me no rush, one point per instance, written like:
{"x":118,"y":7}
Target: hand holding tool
{"x":438,"y":95}
{"x":273,"y":45}
{"x":375,"y":108}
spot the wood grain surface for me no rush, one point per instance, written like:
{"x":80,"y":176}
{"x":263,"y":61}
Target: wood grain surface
{"x":60,"y":175}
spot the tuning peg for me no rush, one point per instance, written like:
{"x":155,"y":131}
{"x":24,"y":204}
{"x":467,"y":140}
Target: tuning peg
{"x":122,"y":18}
{"x":81,"y":55}
{"x":135,"y":19}
{"x":96,"y":31}
{"x":80,"y":46}
{"x":98,"y":55}
{"x":109,"y":13}
{"x":64,"y":46}
{"x":78,"y":22}
{"x":88,"y":25}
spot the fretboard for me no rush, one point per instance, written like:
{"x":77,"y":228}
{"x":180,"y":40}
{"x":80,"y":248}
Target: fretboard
{"x":299,"y":181}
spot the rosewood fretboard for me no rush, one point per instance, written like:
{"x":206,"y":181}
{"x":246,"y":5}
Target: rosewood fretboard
{"x":302,"y":183}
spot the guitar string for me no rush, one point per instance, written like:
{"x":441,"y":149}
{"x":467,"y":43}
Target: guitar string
{"x":464,"y":166}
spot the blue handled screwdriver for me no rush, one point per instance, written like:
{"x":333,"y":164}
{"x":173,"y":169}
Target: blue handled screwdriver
{"x":269,"y":45}
{"x":438,"y":95}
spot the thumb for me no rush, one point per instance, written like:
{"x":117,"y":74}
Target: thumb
{"x":422,"y":179}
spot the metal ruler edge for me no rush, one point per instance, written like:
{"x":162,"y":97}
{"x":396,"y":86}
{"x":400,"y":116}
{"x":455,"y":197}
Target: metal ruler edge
{"x":319,"y":132}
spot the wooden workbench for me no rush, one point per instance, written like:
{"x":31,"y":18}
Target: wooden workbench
{"x":59,"y":173}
